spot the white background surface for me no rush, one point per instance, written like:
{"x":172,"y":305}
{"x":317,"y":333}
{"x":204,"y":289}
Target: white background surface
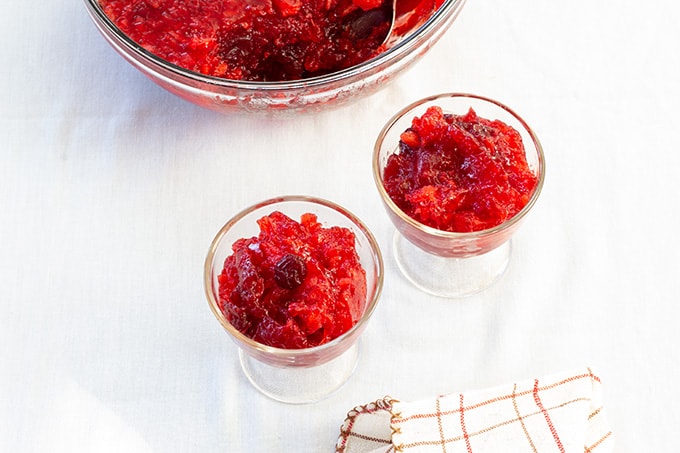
{"x":111,"y":190}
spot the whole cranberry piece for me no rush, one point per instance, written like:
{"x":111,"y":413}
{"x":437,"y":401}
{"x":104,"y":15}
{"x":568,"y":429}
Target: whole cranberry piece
{"x":290,"y":271}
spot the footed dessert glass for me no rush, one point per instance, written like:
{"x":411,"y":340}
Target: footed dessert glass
{"x":443,"y":263}
{"x":296,"y":375}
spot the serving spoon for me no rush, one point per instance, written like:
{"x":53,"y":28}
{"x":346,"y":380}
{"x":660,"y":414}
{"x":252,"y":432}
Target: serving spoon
{"x":404,"y":17}
{"x":407,"y":17}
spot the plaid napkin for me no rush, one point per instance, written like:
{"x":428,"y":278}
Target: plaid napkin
{"x":561,"y":413}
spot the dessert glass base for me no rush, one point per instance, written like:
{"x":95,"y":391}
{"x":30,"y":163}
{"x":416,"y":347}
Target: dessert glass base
{"x":446,"y":276}
{"x":300,"y":385}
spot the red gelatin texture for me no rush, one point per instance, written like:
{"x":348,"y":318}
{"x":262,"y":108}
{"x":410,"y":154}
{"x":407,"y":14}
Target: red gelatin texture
{"x":296,"y":285}
{"x":459,"y":173}
{"x":257,"y":40}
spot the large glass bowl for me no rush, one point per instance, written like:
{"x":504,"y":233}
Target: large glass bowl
{"x":444,"y":263}
{"x":311,"y":94}
{"x":296,"y":375}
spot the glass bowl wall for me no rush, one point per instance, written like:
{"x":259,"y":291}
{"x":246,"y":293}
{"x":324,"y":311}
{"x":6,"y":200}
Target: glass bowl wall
{"x":311,"y":94}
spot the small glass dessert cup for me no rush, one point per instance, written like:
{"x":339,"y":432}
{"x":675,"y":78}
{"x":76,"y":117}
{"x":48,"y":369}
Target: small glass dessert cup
{"x":443,"y":263}
{"x":296,"y":376}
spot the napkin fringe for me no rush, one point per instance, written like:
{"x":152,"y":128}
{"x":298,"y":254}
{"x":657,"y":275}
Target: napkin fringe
{"x":384,"y":404}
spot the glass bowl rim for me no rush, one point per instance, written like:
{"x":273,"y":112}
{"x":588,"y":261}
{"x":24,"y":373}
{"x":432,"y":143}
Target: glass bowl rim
{"x":282,"y":352}
{"x":452,"y":235}
{"x":394,"y":53}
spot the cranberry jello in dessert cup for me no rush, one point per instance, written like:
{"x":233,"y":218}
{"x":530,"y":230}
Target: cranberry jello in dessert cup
{"x":457,"y":173}
{"x":294,"y":281}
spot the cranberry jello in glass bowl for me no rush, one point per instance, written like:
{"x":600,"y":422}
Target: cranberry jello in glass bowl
{"x":269,"y":55}
{"x":294,"y":281}
{"x":457,"y":174}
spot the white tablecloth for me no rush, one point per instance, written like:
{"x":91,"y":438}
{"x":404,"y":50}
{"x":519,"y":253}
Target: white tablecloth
{"x":111,"y":190}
